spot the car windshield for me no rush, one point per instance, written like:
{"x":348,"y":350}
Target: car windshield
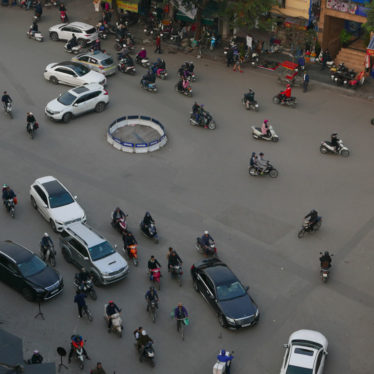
{"x":60,"y":198}
{"x":298,"y":370}
{"x":107,"y":62}
{"x":101,"y":250}
{"x":81,"y":69}
{"x":90,"y":31}
{"x":66,"y":99}
{"x":230,"y":291}
{"x":33,"y":266}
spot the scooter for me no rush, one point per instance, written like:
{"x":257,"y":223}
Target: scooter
{"x":132,"y":252}
{"x":155,"y":277}
{"x":151,"y":87}
{"x":177,"y":272}
{"x":270,"y":170}
{"x":186,"y":91}
{"x":75,"y":50}
{"x":120,"y":226}
{"x":8,"y":108}
{"x":307,"y":227}
{"x":161,"y":73}
{"x":63,"y":16}
{"x":257,"y":134}
{"x":124,"y":67}
{"x":251,"y":105}
{"x":36,"y":35}
{"x":48,"y":255}
{"x":210,"y":251}
{"x":11,"y":207}
{"x":31,"y":128}
{"x":325,"y":270}
{"x":142,"y":61}
{"x":116,"y":326}
{"x":150,"y":232}
{"x":288,"y":101}
{"x":205,"y":120}
{"x":221,"y":367}
{"x":148,"y":354}
{"x":326,"y":147}
{"x":87,"y":287}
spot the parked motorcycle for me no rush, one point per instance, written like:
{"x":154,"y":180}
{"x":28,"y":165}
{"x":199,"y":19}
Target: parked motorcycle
{"x":210,"y":250}
{"x":270,"y":170}
{"x":151,"y":87}
{"x":185,"y":91}
{"x":326,"y":147}
{"x":150,"y":232}
{"x":307,"y":227}
{"x":125,"y":67}
{"x":116,"y":326}
{"x":205,"y":120}
{"x":177,"y":272}
{"x":48,"y":255}
{"x":289,"y":101}
{"x":87,"y":287}
{"x":31,"y":128}
{"x":36,"y":36}
{"x":257,"y":134}
{"x":132,"y":253}
{"x":155,"y":277}
{"x":75,"y":50}
{"x":251,"y":105}
{"x":142,"y":61}
{"x":148,"y":354}
{"x":11,"y":207}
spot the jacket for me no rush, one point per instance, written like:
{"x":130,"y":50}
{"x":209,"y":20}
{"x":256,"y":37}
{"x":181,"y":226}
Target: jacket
{"x":112,"y":309}
{"x":264,"y":128}
{"x":180,"y":313}
{"x":150,"y":297}
{"x":153,"y":264}
{"x":80,"y":299}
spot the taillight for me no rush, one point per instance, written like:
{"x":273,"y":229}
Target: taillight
{"x":192,"y":267}
{"x":105,"y":92}
{"x":101,"y":67}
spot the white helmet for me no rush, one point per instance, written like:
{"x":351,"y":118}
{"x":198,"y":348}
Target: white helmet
{"x":206,"y":232}
{"x":144,"y":333}
{"x":46,"y":234}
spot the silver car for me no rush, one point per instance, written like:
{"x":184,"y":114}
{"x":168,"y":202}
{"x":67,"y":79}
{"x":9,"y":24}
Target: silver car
{"x":84,"y":247}
{"x":98,"y":61}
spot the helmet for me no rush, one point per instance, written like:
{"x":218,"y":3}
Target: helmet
{"x":36,"y":352}
{"x":202,"y":106}
{"x":46,"y":235}
{"x":253,"y":153}
{"x":206,"y":232}
{"x":5,"y":186}
{"x":261,"y":154}
{"x":30,"y":113}
{"x":110,"y":302}
{"x":288,"y":85}
{"x":326,"y":253}
{"x":144,"y":333}
{"x":266,"y":121}
{"x":143,"y":49}
{"x":334,"y":134}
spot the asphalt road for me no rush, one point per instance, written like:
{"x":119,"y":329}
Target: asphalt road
{"x":198,"y":181}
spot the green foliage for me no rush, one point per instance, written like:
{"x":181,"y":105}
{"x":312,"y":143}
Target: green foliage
{"x":345,"y":37}
{"x":369,"y":24}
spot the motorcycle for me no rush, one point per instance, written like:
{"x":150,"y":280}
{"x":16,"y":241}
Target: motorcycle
{"x":116,"y":326}
{"x":155,"y":277}
{"x":210,"y":250}
{"x":63,"y":16}
{"x":326,"y":147}
{"x":36,"y":35}
{"x":78,"y":353}
{"x":205,"y":120}
{"x":132,"y":252}
{"x":102,"y":34}
{"x":48,"y":255}
{"x":307,"y":227}
{"x":270,"y":170}
{"x":257,"y":134}
{"x":86,"y":286}
{"x":75,"y":50}
{"x":289,"y":101}
{"x":150,"y":232}
{"x":177,"y":272}
{"x":10,"y":207}
{"x":152,"y":309}
{"x":251,"y":105}
{"x":185,"y":91}
{"x":221,"y":367}
{"x":120,"y":225}
{"x":142,"y":61}
{"x":31,"y":128}
{"x":8,"y":108}
{"x":325,"y":270}
{"x":148,"y":354}
{"x":151,"y":87}
{"x":329,"y":62}
{"x":161,"y":73}
{"x":125,"y":67}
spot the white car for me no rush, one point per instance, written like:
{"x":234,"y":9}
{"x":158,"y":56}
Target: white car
{"x":305,"y":353}
{"x":77,"y":101}
{"x":72,"y":74}
{"x":64,"y":31}
{"x":55,"y":203}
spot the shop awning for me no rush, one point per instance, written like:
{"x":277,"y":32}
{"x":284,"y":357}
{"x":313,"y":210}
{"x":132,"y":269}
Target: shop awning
{"x":129,"y":5}
{"x":189,"y":15}
{"x":370,"y":48}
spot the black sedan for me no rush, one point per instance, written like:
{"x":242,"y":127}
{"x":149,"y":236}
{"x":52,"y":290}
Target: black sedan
{"x":222,"y":289}
{"x":27,"y":273}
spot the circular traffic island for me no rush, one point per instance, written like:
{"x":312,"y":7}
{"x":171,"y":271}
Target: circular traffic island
{"x":136,"y":134}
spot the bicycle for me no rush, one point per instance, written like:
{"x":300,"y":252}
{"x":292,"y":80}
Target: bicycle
{"x":87,"y":312}
{"x":181,"y":322}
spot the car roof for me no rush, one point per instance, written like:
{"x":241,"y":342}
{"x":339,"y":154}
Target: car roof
{"x":53,"y":187}
{"x":216,"y":270}
{"x":69,"y":64}
{"x":86,"y":88}
{"x":85,"y":233}
{"x":45,"y":179}
{"x":18,"y":253}
{"x":300,"y":359}
{"x":81,"y":25}
{"x":99,"y":55}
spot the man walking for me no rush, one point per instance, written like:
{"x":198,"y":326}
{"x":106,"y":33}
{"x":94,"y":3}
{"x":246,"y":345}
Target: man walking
{"x":81,"y":302}
{"x":98,"y":370}
{"x":305,"y":81}
{"x":158,"y":44}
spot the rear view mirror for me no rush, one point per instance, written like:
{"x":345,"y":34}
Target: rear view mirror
{"x":285,"y":345}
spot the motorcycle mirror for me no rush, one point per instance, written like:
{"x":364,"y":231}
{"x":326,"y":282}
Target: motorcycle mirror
{"x":285,"y":345}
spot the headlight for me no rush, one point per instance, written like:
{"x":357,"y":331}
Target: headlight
{"x":230,"y":320}
{"x":105,"y":273}
{"x":59,"y":223}
{"x":39,"y":290}
{"x":257,"y":313}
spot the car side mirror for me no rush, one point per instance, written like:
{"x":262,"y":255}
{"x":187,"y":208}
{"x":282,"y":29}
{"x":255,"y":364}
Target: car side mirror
{"x":75,"y":104}
{"x":59,"y":95}
{"x":246,"y":288}
{"x":285,"y":345}
{"x":115,"y":246}
{"x":325,"y":352}
{"x":75,"y":197}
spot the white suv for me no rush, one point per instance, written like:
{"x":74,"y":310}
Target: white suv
{"x":77,"y":101}
{"x":85,"y":33}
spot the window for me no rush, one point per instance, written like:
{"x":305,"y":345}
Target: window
{"x":206,"y":282}
{"x":319,"y":360}
{"x":75,"y":30}
{"x":9,"y":265}
{"x":90,"y":31}
{"x":64,"y":234}
{"x":107,"y":62}
{"x":230,"y":291}
{"x":101,"y":250}
{"x":79,"y":247}
{"x":66,"y":99}
{"x":93,"y":95}
{"x":67,"y":29}
{"x":82,"y":99}
{"x":93,"y":61}
{"x":33,"y":266}
{"x":303,"y":351}
{"x":66,"y":71}
{"x":41,"y":194}
{"x":282,"y":3}
{"x":84,"y":58}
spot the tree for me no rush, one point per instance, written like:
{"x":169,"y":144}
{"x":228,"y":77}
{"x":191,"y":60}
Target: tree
{"x":369,"y":24}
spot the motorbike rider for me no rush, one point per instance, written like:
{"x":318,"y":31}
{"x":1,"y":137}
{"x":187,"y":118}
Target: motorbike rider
{"x":286,"y":94}
{"x":77,"y":342}
{"x":142,"y":54}
{"x":142,"y":341}
{"x":180,"y":313}
{"x":30,"y":120}
{"x":253,"y":160}
{"x":38,"y":9}
{"x":36,"y":358}
{"x":73,"y":42}
{"x":182,"y":84}
{"x":312,"y":218}
{"x":205,"y":241}
{"x":34,"y":28}
{"x":249,"y":96}
{"x":128,"y":240}
{"x":151,"y":295}
{"x":174,"y":260}
{"x":196,"y":111}
{"x":335,"y":141}
{"x":45,"y":243}
{"x":153,"y":263}
{"x":265,"y":128}
{"x":7,"y":194}
{"x":147,"y":221}
{"x":111,"y":309}
{"x":83,"y":276}
{"x":117,"y":215}
{"x":261,"y":163}
{"x":325,"y":260}
{"x":137,"y":333}
{"x":148,"y":78}
{"x":97,"y":45}
{"x":6,"y":99}
{"x":226,"y":357}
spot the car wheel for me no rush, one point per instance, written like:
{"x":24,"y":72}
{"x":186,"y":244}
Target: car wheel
{"x":222,"y":320}
{"x":67,"y":117}
{"x":195,"y":286}
{"x":54,"y":36}
{"x":54,"y":80}
{"x":96,"y":280}
{"x":82,"y":42}
{"x":53,"y":225}
{"x":33,"y":203}
{"x":28,"y":294}
{"x":99,"y":107}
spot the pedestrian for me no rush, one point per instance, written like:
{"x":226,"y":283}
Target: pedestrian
{"x":325,"y":56}
{"x":158,"y":44}
{"x":81,"y":302}
{"x":305,"y":81}
{"x":98,"y":370}
{"x":237,"y":59}
{"x":96,"y":4}
{"x":229,"y":57}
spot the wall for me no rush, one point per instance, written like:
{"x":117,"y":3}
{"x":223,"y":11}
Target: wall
{"x":294,"y":8}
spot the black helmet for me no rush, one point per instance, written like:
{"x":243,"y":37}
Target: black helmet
{"x":326,"y":253}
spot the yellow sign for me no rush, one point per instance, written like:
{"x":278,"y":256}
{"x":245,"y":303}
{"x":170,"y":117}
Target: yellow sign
{"x":125,"y":5}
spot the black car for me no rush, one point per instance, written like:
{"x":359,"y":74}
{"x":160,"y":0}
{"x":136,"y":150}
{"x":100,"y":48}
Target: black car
{"x":222,"y":289}
{"x":27,"y":273}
